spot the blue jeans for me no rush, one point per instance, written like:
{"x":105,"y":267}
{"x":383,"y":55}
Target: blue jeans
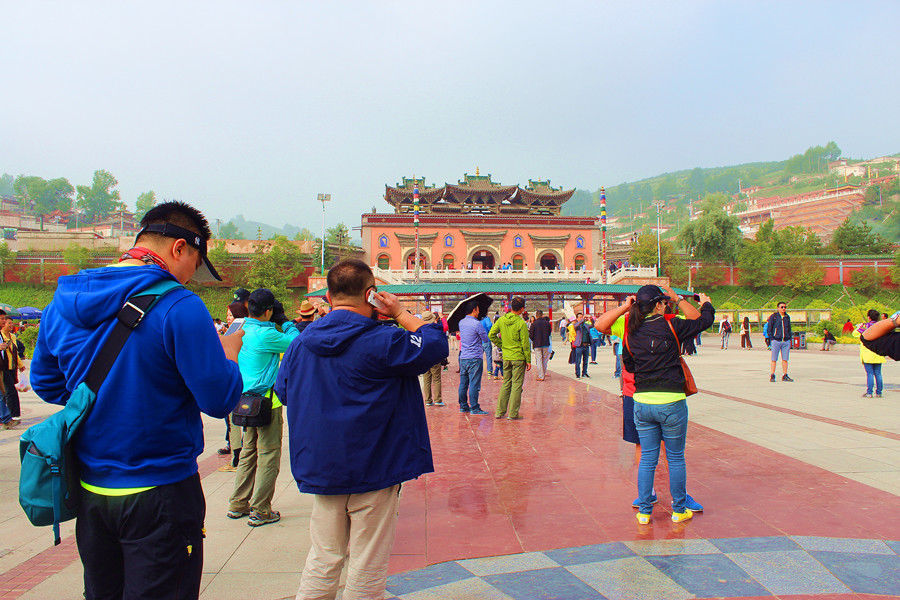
{"x":656,"y":422}
{"x":873,"y":371}
{"x":6,"y":415}
{"x":618,"y":370}
{"x":581,"y":360}
{"x":594,"y":349}
{"x":487,"y":353}
{"x":470,"y":370}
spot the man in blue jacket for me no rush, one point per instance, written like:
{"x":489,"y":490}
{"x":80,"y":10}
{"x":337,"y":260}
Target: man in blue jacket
{"x":780,"y":336}
{"x":357,"y":428}
{"x":140,"y":517}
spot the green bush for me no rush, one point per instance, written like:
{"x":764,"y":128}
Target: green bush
{"x":867,"y":281}
{"x":29,"y":338}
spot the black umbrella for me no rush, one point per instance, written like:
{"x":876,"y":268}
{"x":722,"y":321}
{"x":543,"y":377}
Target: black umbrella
{"x":465,"y":307}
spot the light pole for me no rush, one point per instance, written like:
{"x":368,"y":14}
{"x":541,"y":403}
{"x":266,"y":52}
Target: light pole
{"x":323,"y":198}
{"x":658,"y":204}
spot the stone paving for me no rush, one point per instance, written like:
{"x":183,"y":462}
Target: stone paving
{"x":789,"y":472}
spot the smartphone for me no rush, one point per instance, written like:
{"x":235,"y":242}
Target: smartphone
{"x":696,"y":297}
{"x":235,"y":326}
{"x":374,"y":300}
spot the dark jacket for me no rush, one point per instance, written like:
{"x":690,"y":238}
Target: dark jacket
{"x":355,"y":414}
{"x":779,"y":328}
{"x":540,"y":332}
{"x":653,"y":355}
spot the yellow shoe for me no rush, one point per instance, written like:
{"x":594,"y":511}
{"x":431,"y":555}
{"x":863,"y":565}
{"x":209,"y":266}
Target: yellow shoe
{"x":684,"y":516}
{"x":643,"y":519}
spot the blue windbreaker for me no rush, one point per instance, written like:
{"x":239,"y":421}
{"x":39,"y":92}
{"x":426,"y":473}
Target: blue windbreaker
{"x":145,"y":427}
{"x":355,"y":414}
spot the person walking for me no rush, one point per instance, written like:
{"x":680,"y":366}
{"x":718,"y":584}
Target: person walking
{"x":725,"y":332}
{"x":431,"y":379}
{"x":260,"y":462}
{"x":580,"y":338}
{"x":10,"y":367}
{"x":595,"y":340}
{"x":357,"y":428}
{"x":745,"y":334}
{"x":871,"y":361}
{"x":652,"y":353}
{"x":516,"y":348}
{"x":141,"y":511}
{"x":471,"y":348}
{"x":539,"y":333}
{"x":780,"y":335}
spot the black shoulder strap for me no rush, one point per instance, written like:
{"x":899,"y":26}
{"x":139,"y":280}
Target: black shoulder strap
{"x":128,"y":318}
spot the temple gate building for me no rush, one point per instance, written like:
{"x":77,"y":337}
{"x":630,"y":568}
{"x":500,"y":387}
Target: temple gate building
{"x":479,"y":224}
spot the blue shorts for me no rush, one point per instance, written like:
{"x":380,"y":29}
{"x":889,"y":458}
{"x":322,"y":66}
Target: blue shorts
{"x":783,"y":347}
{"x":629,"y":431}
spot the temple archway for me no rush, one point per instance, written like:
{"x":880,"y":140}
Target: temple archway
{"x":549,"y":260}
{"x":410,"y":262}
{"x":483,"y":258}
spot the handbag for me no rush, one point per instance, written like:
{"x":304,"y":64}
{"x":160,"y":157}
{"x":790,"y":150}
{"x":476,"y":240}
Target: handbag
{"x":572,"y":356}
{"x":690,"y":386}
{"x":253,"y":410}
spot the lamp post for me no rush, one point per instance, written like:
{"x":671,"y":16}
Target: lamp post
{"x":658,"y":205}
{"x":323,"y":198}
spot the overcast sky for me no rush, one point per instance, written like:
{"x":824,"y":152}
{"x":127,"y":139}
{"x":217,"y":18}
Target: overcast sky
{"x":254,"y":107}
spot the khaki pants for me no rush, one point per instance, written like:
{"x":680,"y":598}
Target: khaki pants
{"x":358,"y":525}
{"x":431,"y":380}
{"x":511,"y":388}
{"x":254,"y":482}
{"x":541,"y":358}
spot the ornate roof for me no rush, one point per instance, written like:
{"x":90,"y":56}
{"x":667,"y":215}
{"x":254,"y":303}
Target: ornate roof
{"x":478,"y":194}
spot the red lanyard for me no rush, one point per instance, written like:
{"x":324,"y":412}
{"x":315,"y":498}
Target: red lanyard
{"x":146,"y":255}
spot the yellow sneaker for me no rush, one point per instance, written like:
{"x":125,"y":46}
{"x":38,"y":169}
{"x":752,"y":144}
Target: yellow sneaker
{"x":643,"y":519}
{"x":684,"y":516}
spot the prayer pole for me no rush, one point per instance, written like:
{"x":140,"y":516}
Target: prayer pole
{"x":603,"y":230}
{"x":416,"y":224}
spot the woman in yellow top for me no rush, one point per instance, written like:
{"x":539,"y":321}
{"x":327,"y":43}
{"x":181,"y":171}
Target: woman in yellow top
{"x":871,"y":362}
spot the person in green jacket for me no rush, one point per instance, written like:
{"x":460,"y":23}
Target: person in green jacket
{"x":510,"y":332}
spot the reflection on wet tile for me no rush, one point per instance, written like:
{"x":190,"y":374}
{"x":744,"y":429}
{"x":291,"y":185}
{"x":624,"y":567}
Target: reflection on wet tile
{"x":629,"y":579}
{"x":708,"y":575}
{"x":863,"y":573}
{"x":790,"y":572}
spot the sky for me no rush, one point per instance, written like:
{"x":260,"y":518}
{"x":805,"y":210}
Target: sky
{"x":255,"y":107}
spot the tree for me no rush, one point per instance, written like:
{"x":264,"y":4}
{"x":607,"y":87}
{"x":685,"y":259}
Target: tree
{"x":43,"y":196}
{"x":77,"y":257}
{"x":305,"y":235}
{"x":850,"y":238}
{"x":230,"y":231}
{"x":867,"y":281}
{"x":222,"y":259}
{"x":802,"y":273}
{"x":144,"y":203}
{"x":708,"y":276}
{"x":895,"y":271}
{"x":643,"y":252}
{"x":797,"y":240}
{"x":337,"y":245}
{"x":757,"y":263}
{"x":99,"y":199}
{"x":714,"y":236}
{"x":7,"y":259}
{"x":275,"y":268}
{"x":7,"y":185}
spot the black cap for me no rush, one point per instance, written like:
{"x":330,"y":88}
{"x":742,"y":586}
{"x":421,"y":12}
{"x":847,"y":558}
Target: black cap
{"x":241,"y":295}
{"x":260,"y":301}
{"x":650,"y":294}
{"x":206,"y":272}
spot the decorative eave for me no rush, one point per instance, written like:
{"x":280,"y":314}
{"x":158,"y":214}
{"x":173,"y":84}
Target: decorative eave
{"x":475,"y":238}
{"x":550,"y":240}
{"x":407,"y":239}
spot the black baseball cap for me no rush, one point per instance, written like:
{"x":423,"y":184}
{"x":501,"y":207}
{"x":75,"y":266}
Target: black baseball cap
{"x":261,"y":300}
{"x":205,"y":272}
{"x":241,"y":295}
{"x":650,"y":294}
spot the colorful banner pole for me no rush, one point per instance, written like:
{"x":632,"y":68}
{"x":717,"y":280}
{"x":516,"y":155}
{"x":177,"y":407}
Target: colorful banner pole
{"x":603,"y":231}
{"x":416,"y":224}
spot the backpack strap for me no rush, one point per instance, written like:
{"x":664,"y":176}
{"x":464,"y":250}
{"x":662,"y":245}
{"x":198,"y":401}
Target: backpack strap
{"x":625,"y":337}
{"x":129,"y":316}
{"x":677,"y":341}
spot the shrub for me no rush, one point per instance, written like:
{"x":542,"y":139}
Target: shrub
{"x":867,"y":281}
{"x":29,"y":338}
{"x":802,"y":273}
{"x":708,"y":276}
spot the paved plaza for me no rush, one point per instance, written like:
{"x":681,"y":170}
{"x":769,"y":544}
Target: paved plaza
{"x":801,"y":484}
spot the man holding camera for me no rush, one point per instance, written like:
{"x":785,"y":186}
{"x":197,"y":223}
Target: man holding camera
{"x":141,"y":511}
{"x":264,"y":342}
{"x":357,"y":427}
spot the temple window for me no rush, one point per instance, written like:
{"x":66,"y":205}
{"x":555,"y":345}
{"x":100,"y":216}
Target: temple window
{"x":579,"y":242}
{"x":517,"y":241}
{"x":579,"y":262}
{"x":448,"y":241}
{"x":518,"y":262}
{"x":383,"y":241}
{"x":448,"y":261}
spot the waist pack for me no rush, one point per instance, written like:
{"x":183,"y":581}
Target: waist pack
{"x":49,"y":481}
{"x":254,"y":410}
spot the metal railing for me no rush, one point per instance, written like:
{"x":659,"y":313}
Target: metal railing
{"x":401,"y":276}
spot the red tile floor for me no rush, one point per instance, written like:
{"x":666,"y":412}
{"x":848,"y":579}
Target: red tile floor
{"x":563,"y":477}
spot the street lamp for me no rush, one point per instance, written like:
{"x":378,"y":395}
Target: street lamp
{"x":323,"y":198}
{"x":658,"y":205}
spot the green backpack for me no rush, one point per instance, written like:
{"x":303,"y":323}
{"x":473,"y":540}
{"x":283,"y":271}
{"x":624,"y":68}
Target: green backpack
{"x":49,"y":481}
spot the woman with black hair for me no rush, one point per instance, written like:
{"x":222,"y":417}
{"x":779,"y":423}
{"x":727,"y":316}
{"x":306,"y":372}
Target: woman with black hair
{"x":745,"y":334}
{"x":651,"y":339}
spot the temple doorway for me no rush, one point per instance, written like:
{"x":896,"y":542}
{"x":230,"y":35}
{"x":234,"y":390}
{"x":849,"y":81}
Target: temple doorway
{"x":548,"y":261}
{"x":411,"y":261}
{"x":483,"y":259}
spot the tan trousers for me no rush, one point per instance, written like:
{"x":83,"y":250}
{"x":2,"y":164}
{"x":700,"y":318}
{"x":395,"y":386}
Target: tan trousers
{"x":254,"y":482}
{"x":358,"y":525}
{"x":431,"y":380}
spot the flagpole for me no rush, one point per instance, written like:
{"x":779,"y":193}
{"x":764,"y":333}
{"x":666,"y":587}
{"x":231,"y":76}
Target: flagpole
{"x":603,"y":230}
{"x":416,"y":225}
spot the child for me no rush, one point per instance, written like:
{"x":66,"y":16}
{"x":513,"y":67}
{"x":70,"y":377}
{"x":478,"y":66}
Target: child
{"x":497,"y":356}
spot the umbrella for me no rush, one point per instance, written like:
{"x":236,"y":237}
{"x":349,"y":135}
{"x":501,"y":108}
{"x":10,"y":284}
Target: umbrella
{"x":9,"y":310}
{"x":29,"y":313}
{"x":465,"y":307}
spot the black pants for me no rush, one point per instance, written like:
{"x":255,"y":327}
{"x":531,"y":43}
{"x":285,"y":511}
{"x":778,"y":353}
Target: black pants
{"x":143,"y":546}
{"x":11,"y":397}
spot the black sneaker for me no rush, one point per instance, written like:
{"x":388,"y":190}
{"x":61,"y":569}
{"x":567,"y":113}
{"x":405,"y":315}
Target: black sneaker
{"x":786,"y":378}
{"x":772,"y":378}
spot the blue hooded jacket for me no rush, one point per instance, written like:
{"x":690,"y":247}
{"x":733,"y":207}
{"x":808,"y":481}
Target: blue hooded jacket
{"x":145,"y":427}
{"x":354,"y":406}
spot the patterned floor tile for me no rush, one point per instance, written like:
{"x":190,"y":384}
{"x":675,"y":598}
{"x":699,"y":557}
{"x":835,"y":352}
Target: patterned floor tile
{"x":465,"y":589}
{"x":512,"y":563}
{"x":708,"y":575}
{"x":670,"y":547}
{"x":789,"y":572}
{"x":544,"y":584}
{"x":590,"y":554}
{"x":863,"y":573}
{"x":842,"y":544}
{"x":428,"y":577}
{"x":629,"y":579}
{"x":754,"y":544}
